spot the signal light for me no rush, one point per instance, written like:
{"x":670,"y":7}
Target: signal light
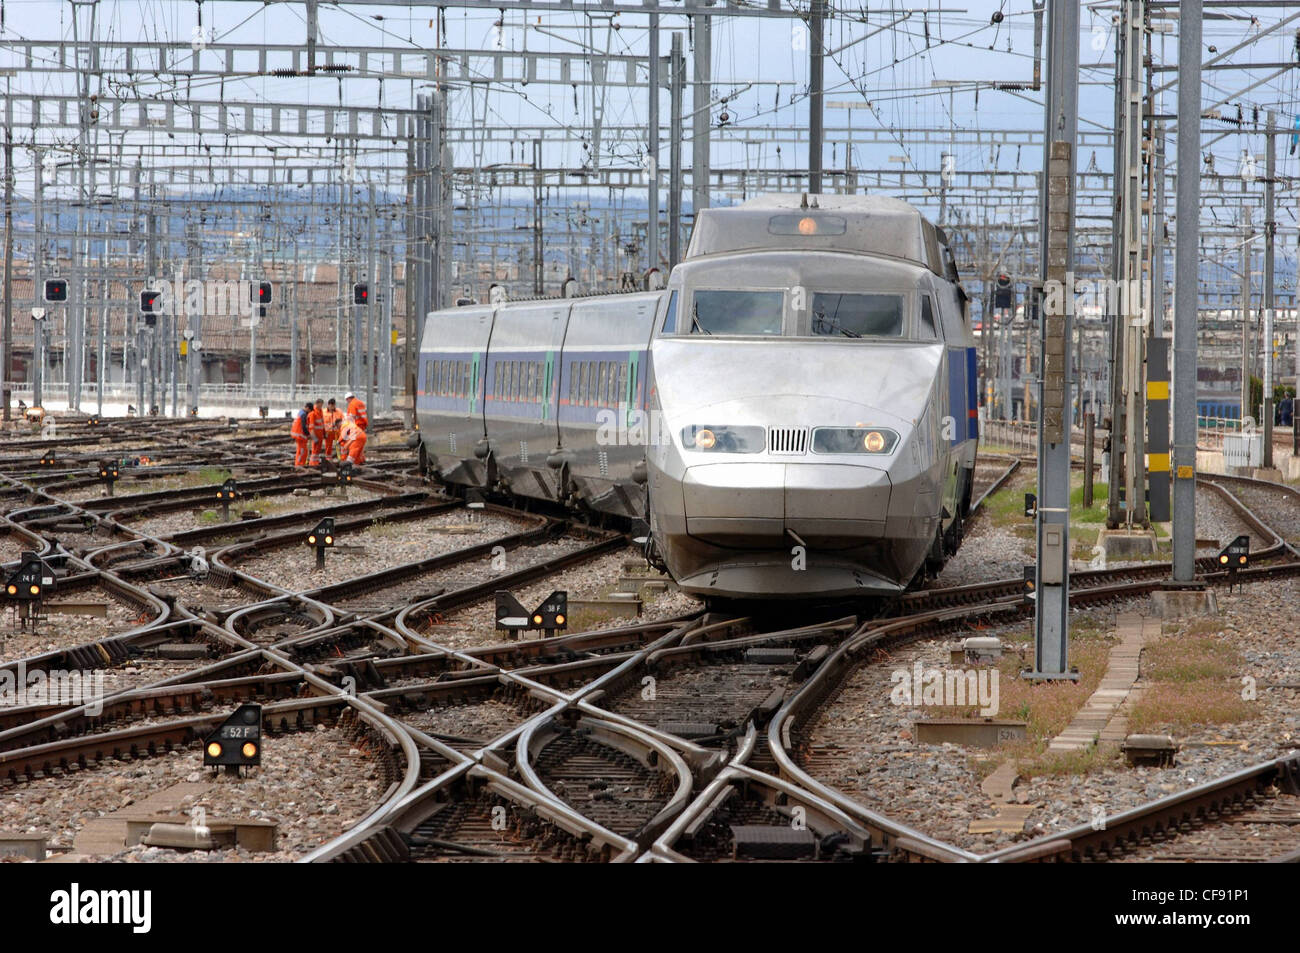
{"x":56,"y":289}
{"x":321,"y":537}
{"x":549,"y":616}
{"x":1236,"y":555}
{"x":12,"y":589}
{"x":149,"y":302}
{"x":264,"y":293}
{"x":237,"y":742}
{"x":35,"y":590}
{"x":360,"y":294}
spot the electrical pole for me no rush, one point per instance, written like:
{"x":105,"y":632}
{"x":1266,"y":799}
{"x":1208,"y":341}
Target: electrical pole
{"x":652,"y":149}
{"x":1270,"y":228}
{"x":1056,"y":261}
{"x":1248,"y":231}
{"x":816,"y":84}
{"x":701,"y":90}
{"x":1186,"y":272}
{"x":677,"y":67}
{"x":9,"y":254}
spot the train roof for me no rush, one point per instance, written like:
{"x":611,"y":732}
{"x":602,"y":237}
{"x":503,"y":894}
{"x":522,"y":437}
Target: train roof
{"x":861,"y":224}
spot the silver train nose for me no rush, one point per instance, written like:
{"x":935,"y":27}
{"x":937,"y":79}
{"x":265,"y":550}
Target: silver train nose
{"x":754,"y":505}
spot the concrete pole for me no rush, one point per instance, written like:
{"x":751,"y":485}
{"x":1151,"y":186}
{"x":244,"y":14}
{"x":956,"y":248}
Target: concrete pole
{"x":1056,"y":258}
{"x":678,"y":67}
{"x":702,"y":84}
{"x":1186,"y":254}
{"x":652,"y":149}
{"x":9,"y":255}
{"x":816,"y":91}
{"x":38,"y":261}
{"x":1246,"y":409}
{"x":1270,"y":227}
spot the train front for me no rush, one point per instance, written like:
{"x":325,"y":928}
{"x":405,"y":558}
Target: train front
{"x":799,"y":415}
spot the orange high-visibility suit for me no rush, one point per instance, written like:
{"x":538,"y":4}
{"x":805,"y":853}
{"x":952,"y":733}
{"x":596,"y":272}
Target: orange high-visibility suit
{"x":357,"y":411}
{"x":299,"y":432}
{"x":352,"y":443}
{"x":316,"y":430}
{"x":333,"y":426}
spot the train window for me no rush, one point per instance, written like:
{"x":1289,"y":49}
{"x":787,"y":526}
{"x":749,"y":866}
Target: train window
{"x":433,"y":378}
{"x":514,"y":381}
{"x":428,"y":377}
{"x":465,"y":385}
{"x":736,"y":312}
{"x":580,"y":368}
{"x":591,"y":383}
{"x":573,"y":382}
{"x":622,"y":383}
{"x":927,"y":318}
{"x":670,"y":319}
{"x":602,"y":384}
{"x":857,"y":315}
{"x":534,"y":381}
{"x":444,"y":377}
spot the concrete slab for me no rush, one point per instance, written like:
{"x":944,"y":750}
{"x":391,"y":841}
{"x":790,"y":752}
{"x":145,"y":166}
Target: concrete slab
{"x":1123,"y":544}
{"x":1183,"y":603}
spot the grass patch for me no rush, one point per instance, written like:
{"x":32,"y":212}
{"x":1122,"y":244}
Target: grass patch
{"x":1180,"y":706}
{"x":1079,"y":762}
{"x":1192,"y":681}
{"x":1190,"y":658}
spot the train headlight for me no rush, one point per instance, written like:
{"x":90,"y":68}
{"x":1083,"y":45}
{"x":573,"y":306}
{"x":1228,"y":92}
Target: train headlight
{"x":874,"y":440}
{"x":724,"y":439}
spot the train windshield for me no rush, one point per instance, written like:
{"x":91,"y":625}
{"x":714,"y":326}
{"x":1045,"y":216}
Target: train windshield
{"x":856,"y":315}
{"x":735,"y":312}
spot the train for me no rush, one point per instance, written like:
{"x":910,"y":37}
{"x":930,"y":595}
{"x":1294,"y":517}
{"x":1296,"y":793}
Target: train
{"x":793,"y":415}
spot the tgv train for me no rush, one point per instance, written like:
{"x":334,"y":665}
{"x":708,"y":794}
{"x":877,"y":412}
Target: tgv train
{"x":793,"y":415}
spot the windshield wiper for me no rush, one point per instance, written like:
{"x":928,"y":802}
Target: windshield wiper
{"x":695,"y":318}
{"x":830,"y":324}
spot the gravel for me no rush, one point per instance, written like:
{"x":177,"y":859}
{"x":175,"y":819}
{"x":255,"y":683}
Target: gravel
{"x":281,"y":504}
{"x":61,"y":631}
{"x":476,"y":625}
{"x":378,"y":548}
{"x":316,"y":785}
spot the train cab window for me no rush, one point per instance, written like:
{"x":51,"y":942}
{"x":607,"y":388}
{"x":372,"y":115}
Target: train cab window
{"x":736,"y":312}
{"x":928,"y":331}
{"x":670,"y":317}
{"x":856,"y":315}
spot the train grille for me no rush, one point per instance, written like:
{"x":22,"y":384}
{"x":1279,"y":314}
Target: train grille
{"x":787,"y":440}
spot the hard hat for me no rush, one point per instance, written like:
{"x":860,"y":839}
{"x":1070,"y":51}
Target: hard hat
{"x":349,"y":395}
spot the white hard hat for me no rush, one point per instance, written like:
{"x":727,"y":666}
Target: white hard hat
{"x":349,"y":395}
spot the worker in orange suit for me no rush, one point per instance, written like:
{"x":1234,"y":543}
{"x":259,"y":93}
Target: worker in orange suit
{"x":316,"y":431}
{"x":333,"y":426}
{"x":352,"y":442}
{"x":357,"y":410}
{"x":299,"y":432}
